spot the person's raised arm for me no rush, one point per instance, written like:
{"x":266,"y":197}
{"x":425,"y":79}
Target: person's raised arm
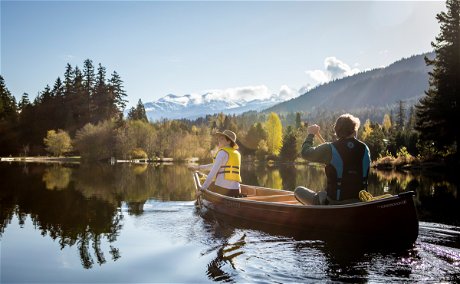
{"x":320,"y":154}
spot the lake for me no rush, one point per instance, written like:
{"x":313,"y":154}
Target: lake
{"x":139,"y":223}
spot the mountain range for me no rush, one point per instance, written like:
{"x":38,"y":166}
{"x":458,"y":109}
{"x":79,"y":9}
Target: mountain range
{"x":406,"y":80}
{"x":192,"y":106}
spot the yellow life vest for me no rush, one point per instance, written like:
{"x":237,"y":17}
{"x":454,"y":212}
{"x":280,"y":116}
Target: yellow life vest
{"x":231,"y":170}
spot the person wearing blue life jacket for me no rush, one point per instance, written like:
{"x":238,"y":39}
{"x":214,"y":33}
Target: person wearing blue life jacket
{"x":347,"y":163}
{"x":224,"y":175}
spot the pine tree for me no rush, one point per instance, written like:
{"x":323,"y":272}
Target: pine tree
{"x":138,"y":113}
{"x":118,"y":95}
{"x":298,"y":120}
{"x":401,"y":116}
{"x":102,"y":103}
{"x":8,"y":108}
{"x":288,"y":151}
{"x":88,"y":87}
{"x":438,"y":111}
{"x":59,"y":114}
{"x":8,"y":120}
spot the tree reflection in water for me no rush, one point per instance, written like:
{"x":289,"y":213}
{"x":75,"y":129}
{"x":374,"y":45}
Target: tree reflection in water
{"x":79,"y":205}
{"x":64,"y":214}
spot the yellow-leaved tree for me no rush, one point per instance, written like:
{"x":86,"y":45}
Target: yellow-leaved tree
{"x":58,"y":142}
{"x":367,"y":130}
{"x":274,"y":134}
{"x":386,"y":124}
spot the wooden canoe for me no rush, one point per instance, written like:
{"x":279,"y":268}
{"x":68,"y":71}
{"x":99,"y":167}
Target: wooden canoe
{"x":391,"y":219}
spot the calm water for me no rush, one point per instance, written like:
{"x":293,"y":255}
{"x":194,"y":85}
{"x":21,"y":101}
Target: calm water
{"x":138,"y":223}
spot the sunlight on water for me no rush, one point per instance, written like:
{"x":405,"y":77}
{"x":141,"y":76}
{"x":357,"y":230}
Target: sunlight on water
{"x":115,"y":224}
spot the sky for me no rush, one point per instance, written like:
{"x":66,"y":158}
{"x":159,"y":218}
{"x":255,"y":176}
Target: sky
{"x":243,"y":48}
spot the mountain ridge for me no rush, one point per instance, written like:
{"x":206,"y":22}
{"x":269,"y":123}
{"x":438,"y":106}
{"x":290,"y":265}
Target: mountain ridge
{"x":405,"y":79}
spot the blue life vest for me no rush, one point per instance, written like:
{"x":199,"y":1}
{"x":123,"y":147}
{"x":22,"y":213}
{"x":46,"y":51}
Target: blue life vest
{"x":348,"y":169}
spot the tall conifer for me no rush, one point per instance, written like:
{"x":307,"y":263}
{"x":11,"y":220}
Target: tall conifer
{"x":438,"y":112}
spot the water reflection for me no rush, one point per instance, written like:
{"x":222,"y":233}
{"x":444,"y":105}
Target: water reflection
{"x":79,"y":207}
{"x":57,"y":177}
{"x":287,"y":256}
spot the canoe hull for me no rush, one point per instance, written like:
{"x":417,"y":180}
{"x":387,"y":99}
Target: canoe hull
{"x":391,"y":219}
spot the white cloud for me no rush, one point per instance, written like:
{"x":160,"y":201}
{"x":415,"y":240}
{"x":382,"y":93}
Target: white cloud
{"x":287,"y":93}
{"x":334,"y":69}
{"x":247,"y":93}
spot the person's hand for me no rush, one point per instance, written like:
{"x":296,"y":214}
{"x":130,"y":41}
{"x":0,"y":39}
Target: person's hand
{"x":313,"y":129}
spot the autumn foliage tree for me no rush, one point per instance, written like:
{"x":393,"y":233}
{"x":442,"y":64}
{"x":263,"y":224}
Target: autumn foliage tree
{"x":274,"y":134}
{"x":58,"y":142}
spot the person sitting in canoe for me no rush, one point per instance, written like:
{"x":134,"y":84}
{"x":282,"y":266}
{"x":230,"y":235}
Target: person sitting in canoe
{"x":347,"y":164}
{"x":225,"y":168}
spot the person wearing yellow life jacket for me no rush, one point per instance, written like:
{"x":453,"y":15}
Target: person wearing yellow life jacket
{"x":225,"y":169}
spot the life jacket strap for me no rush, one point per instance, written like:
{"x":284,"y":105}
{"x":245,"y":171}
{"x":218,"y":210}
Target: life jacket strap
{"x":233,"y":170}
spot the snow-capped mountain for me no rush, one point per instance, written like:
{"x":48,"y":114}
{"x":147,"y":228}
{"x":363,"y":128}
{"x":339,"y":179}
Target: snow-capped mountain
{"x":230,"y":101}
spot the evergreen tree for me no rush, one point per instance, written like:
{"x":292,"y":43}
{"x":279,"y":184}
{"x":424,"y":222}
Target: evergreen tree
{"x":229,"y":123}
{"x":102,"y":102}
{"x":59,"y":112}
{"x":8,"y":108}
{"x":24,"y":103}
{"x":69,"y":98}
{"x":298,"y":120}
{"x":26,"y":120}
{"x":411,"y":120}
{"x":118,"y":95}
{"x":288,"y":151}
{"x":438,"y":111}
{"x":88,"y":87}
{"x":8,"y":120}
{"x":138,"y":112}
{"x":401,"y":115}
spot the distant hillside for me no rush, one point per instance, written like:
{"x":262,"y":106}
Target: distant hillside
{"x":406,"y":80}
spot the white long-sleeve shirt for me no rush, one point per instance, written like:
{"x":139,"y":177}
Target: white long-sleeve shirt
{"x":221,"y":160}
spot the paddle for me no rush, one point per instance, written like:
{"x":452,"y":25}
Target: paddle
{"x":197,"y":188}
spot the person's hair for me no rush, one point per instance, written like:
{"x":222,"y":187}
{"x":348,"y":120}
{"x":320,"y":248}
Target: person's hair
{"x":232,"y":144}
{"x":346,"y":125}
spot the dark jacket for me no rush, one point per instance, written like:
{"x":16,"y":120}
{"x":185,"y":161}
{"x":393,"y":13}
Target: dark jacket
{"x":347,"y":165}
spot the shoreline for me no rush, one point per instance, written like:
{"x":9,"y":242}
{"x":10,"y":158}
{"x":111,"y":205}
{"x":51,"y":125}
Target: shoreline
{"x":417,"y":166}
